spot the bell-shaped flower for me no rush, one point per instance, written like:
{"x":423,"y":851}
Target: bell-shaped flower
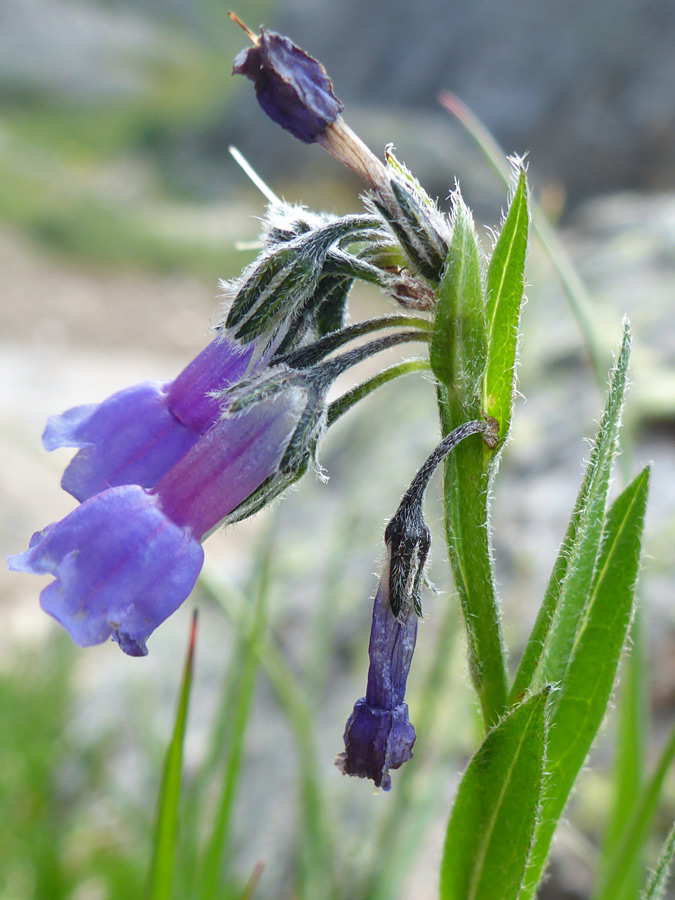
{"x":136,"y":435}
{"x":120,"y":568}
{"x":126,"y":558}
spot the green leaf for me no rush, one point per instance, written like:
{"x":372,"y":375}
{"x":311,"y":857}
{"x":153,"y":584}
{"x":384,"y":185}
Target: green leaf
{"x":493,"y":818}
{"x":547,"y":651}
{"x":580,"y":704}
{"x":505,"y":281}
{"x":164,"y":841}
{"x":656,"y":885}
{"x":458,"y":359}
{"x":630,"y":843}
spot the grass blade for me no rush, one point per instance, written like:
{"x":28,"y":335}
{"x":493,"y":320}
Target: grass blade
{"x":493,"y":818}
{"x":585,"y":686}
{"x":548,"y":647}
{"x":316,"y":857}
{"x":629,"y":845}
{"x":629,"y":763}
{"x":216,"y":850}
{"x":164,"y":841}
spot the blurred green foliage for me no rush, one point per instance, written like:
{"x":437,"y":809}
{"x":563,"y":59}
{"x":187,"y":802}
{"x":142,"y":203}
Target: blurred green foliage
{"x":94,"y":176}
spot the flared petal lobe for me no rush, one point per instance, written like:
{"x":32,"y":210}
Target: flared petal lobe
{"x":121,"y":567}
{"x":376,"y":740}
{"x":138,"y":434}
{"x":130,"y":438}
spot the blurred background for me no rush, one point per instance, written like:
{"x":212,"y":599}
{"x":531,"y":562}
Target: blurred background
{"x":119,"y":210}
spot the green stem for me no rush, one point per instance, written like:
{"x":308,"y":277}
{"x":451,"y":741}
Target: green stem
{"x":344,"y":403}
{"x":466,"y":492}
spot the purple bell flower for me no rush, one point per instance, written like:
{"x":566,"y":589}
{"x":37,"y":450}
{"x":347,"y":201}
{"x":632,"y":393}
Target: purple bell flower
{"x":378,"y":734}
{"x":136,"y":435}
{"x":126,"y":558}
{"x":120,"y":565}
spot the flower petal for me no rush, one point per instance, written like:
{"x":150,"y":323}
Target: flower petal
{"x":120,"y":566}
{"x":139,"y":433}
{"x":189,"y":396}
{"x":230,"y":462}
{"x":376,"y":740}
{"x":130,"y":438}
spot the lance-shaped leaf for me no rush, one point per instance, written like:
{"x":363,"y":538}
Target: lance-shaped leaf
{"x":505,"y":280}
{"x":459,"y":358}
{"x":547,"y":651}
{"x":459,"y":346}
{"x":493,"y":819}
{"x":586,"y":683}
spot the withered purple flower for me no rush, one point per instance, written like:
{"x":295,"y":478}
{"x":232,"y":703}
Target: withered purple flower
{"x":291,"y":86}
{"x":378,"y":735}
{"x":295,"y":91}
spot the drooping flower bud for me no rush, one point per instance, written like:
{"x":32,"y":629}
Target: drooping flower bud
{"x":378,"y":735}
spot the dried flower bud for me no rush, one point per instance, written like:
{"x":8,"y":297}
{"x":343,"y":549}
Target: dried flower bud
{"x":291,"y":86}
